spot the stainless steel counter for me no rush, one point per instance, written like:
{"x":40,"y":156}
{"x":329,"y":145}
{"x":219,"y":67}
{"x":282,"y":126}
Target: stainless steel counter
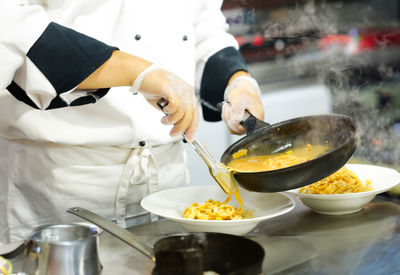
{"x":299,"y":242}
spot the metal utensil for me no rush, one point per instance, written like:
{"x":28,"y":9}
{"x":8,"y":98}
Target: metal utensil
{"x":218,"y":171}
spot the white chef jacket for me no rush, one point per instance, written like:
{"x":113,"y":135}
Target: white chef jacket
{"x":104,"y":156}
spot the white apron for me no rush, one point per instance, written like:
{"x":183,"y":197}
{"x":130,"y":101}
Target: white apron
{"x":123,"y":178}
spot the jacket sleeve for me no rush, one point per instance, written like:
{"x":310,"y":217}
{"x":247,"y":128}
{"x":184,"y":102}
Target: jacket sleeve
{"x":217,"y":56}
{"x":46,"y":61}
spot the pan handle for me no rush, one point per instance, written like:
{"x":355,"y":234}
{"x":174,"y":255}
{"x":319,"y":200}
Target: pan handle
{"x":114,"y":229}
{"x":250,"y":122}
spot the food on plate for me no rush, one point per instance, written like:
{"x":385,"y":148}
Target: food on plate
{"x":241,"y":163}
{"x":5,"y":266}
{"x":340,"y":182}
{"x":216,"y":210}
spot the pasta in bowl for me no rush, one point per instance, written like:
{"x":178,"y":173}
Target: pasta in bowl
{"x":172,"y":203}
{"x":348,"y":190}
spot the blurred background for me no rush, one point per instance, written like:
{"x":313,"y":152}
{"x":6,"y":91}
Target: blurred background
{"x":314,"y":57}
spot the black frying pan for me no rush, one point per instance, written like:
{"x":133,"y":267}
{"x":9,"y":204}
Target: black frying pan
{"x":189,"y":254}
{"x":265,"y":139}
{"x":221,"y":253}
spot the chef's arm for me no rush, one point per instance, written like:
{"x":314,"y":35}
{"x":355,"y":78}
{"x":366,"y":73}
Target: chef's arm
{"x":241,"y":94}
{"x":46,"y":61}
{"x":225,"y":78}
{"x":121,"y":69}
{"x":221,"y":71}
{"x":50,"y":66}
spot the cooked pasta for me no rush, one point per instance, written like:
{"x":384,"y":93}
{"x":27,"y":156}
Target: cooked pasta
{"x":341,"y":182}
{"x":5,"y":266}
{"x":298,"y":155}
{"x":216,"y":210}
{"x":240,"y":153}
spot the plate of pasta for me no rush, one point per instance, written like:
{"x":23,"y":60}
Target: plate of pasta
{"x":348,"y":190}
{"x":206,"y":208}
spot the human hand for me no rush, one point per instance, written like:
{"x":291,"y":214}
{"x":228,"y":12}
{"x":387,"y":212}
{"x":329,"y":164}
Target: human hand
{"x":241,"y":94}
{"x":181,"y":110}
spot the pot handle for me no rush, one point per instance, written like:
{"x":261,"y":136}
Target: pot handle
{"x":250,"y":122}
{"x":114,"y":229}
{"x":31,"y":258}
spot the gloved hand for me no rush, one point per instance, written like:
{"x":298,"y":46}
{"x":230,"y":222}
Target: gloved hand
{"x":181,"y":110}
{"x":242,"y":93}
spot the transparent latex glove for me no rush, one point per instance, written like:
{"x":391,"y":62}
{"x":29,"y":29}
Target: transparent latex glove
{"x":182,"y":111}
{"x":243,"y":93}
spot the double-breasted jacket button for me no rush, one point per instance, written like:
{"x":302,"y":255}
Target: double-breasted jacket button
{"x":185,"y":38}
{"x":142,"y":143}
{"x":137,"y":37}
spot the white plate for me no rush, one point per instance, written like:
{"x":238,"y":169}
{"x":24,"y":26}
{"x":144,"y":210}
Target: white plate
{"x":383,"y":179}
{"x":171,"y":204}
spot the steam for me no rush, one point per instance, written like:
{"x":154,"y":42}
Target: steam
{"x":303,"y":18}
{"x":358,"y":81}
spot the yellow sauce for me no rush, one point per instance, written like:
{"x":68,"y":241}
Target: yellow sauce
{"x":215,"y":210}
{"x":276,"y":161}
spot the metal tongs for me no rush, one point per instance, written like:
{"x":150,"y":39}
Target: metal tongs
{"x":218,"y":171}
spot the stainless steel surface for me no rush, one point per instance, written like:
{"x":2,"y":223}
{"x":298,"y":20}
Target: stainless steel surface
{"x":300,"y":242}
{"x":219,"y":172}
{"x":62,"y":249}
{"x":114,"y":229}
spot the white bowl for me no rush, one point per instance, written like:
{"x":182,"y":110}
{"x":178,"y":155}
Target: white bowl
{"x":171,"y":204}
{"x":383,"y":179}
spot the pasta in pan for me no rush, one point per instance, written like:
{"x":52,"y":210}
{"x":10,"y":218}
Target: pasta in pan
{"x":341,"y":182}
{"x":216,"y":210}
{"x":243,"y":163}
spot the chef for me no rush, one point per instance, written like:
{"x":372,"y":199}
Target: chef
{"x":62,"y":151}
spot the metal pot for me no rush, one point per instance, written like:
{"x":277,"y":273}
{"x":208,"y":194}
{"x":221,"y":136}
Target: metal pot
{"x":62,"y":249}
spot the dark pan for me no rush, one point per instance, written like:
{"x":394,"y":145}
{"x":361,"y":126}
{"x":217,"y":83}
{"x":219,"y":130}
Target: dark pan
{"x":339,"y":132}
{"x":220,"y":253}
{"x":189,"y":254}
